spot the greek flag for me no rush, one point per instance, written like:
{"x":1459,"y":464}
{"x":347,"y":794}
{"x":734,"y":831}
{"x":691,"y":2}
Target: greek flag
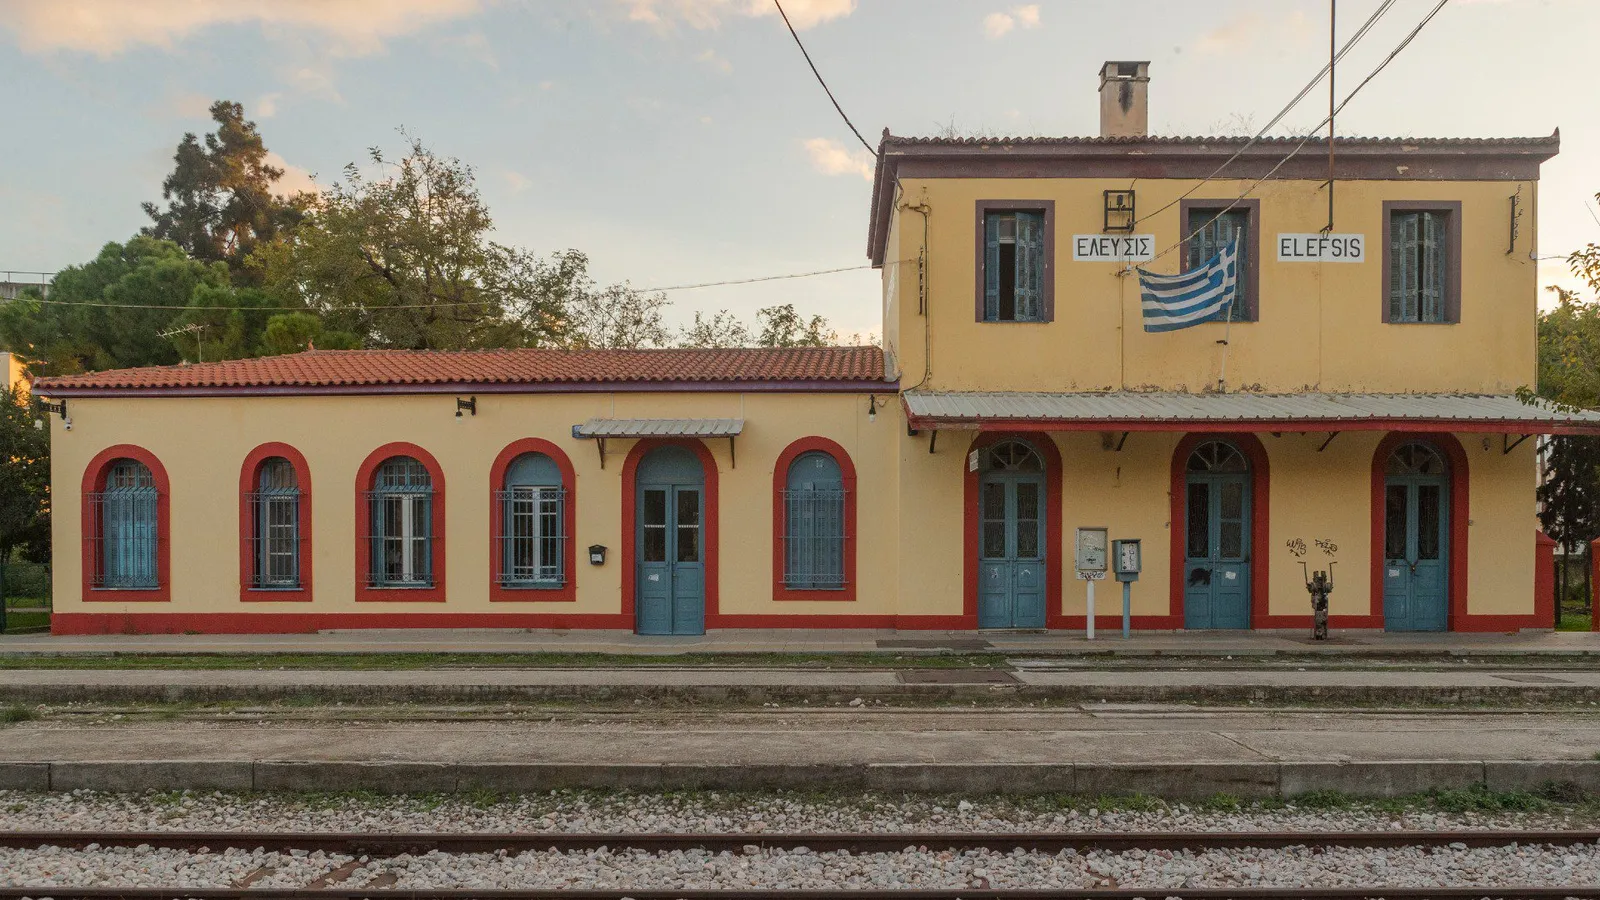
{"x":1188,"y":298}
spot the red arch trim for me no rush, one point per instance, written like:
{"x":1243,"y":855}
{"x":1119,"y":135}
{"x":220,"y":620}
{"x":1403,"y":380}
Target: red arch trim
{"x":248,"y":473}
{"x":94,"y":481}
{"x":569,"y":482}
{"x":1053,"y":616}
{"x":780,"y":481}
{"x":364,"y":483}
{"x":630,"y":500}
{"x":1260,"y":520}
{"x":1457,"y":457}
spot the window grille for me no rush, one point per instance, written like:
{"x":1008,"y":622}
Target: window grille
{"x":814,"y":517}
{"x":275,"y":512}
{"x":1212,"y":237}
{"x":533,"y":538}
{"x":400,"y":510}
{"x":123,"y":529}
{"x":1419,"y":250}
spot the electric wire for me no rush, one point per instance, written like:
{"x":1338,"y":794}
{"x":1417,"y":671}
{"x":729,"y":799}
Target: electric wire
{"x":824,"y":84}
{"x":1354,"y":39}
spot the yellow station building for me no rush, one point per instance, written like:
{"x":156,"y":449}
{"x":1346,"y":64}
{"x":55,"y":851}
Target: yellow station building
{"x":1358,"y":412}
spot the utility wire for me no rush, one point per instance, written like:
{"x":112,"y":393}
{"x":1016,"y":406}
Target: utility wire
{"x":1354,"y":39}
{"x":1309,"y":134}
{"x":824,"y":84}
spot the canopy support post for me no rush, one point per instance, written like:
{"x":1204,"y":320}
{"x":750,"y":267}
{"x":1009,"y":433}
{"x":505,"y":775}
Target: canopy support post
{"x":1123,"y":440}
{"x":1509,"y":444}
{"x":1331,"y":436}
{"x":733,"y":458}
{"x":933,"y":439}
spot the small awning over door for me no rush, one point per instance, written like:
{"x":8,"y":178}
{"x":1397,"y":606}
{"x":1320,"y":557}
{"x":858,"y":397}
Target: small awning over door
{"x":600,"y":429}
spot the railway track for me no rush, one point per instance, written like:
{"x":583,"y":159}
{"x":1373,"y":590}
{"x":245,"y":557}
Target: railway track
{"x":378,"y":846}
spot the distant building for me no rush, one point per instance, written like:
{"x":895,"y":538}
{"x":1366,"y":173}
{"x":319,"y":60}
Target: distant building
{"x":1365,"y":396}
{"x":13,"y":284}
{"x":12,"y":370}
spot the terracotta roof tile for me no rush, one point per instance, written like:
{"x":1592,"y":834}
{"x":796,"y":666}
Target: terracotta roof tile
{"x":332,"y":369}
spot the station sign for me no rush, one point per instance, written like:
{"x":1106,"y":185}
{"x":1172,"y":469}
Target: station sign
{"x":1113,"y":247}
{"x":1318,"y":247}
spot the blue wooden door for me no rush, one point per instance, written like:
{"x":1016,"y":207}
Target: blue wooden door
{"x":1216,"y":588}
{"x":1416,"y":542}
{"x":1011,"y":539}
{"x":670,"y":585}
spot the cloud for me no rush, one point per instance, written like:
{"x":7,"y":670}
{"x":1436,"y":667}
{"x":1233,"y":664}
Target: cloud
{"x":1001,"y":23}
{"x":707,"y":14}
{"x":267,"y":105}
{"x":830,"y":157}
{"x":471,"y":47}
{"x":711,"y":59}
{"x":106,"y":28}
{"x":518,"y":181}
{"x":188,"y":105}
{"x":294,"y":180}
{"x":1247,"y":29}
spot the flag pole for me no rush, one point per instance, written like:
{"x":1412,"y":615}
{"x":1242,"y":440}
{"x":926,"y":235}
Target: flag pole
{"x":1227,"y":330}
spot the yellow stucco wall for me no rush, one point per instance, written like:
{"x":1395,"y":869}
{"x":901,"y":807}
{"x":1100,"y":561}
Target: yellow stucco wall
{"x":1320,"y":324}
{"x":910,"y":502}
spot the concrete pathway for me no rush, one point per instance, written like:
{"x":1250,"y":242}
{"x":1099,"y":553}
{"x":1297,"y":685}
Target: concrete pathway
{"x":799,"y":640}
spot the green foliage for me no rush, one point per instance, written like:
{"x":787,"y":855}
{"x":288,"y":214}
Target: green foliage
{"x":718,"y":330}
{"x":24,"y":476}
{"x":1569,"y":375}
{"x":220,"y":196}
{"x":16,"y":712}
{"x":782,"y":326}
{"x":616,"y":317}
{"x":404,"y":260}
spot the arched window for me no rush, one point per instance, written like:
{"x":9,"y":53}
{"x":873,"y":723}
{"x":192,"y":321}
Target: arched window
{"x":1218,"y":457}
{"x":1415,"y":458}
{"x":275,"y":517}
{"x":1012,"y":456}
{"x":400,"y":505}
{"x":814,"y":517}
{"x":532,"y":524}
{"x":124,"y":525}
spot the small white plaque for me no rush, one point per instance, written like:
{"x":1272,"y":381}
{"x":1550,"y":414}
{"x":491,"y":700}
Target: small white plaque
{"x":1349,"y":248}
{"x":972,"y":461}
{"x":1230,"y":576}
{"x":1091,"y":574}
{"x":1394,"y":573}
{"x":1113,"y":247}
{"x":654,"y":576}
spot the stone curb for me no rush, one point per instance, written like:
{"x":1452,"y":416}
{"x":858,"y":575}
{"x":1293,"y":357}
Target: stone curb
{"x":1570,"y":779}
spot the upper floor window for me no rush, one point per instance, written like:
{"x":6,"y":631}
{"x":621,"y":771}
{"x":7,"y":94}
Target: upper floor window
{"x":1014,"y":261}
{"x":275,"y":514}
{"x":1422,"y":262}
{"x":1207,"y":228}
{"x":814,"y":524}
{"x":124,"y":524}
{"x":532,"y":524}
{"x":400,"y":506}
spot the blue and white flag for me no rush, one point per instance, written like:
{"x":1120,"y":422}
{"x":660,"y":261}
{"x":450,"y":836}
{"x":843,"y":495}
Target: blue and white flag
{"x":1188,"y":298}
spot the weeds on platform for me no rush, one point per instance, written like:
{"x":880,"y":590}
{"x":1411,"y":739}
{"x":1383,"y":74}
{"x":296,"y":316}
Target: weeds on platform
{"x":17,"y":713}
{"x":541,"y":660}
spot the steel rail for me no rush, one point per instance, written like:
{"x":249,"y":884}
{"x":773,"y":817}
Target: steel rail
{"x":1283,"y":893}
{"x":391,"y":844}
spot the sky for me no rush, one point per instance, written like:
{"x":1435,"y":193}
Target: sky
{"x":685,"y":141}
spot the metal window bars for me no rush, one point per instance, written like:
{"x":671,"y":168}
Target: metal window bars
{"x":531,"y":528}
{"x":400,"y":512}
{"x":275,"y":540}
{"x":122,"y":530}
{"x":813,"y":557}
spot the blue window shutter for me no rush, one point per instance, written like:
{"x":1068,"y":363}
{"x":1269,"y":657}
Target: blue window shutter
{"x":1404,"y":265}
{"x":991,"y":267}
{"x":814,"y":520}
{"x":1432,"y":272}
{"x":1030,"y":265}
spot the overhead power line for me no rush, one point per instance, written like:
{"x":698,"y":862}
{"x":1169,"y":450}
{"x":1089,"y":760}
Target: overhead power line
{"x":824,"y":84}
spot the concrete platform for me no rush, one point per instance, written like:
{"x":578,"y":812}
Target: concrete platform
{"x":1092,"y":750}
{"x":798,"y":640}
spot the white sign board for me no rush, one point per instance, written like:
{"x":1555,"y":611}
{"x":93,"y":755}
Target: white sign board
{"x":1092,"y":549}
{"x":1113,"y":247}
{"x":1350,"y":248}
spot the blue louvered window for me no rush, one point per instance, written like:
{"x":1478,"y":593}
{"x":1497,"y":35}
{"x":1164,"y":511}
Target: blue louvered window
{"x":124,"y":526}
{"x":1419,"y":266}
{"x":532,"y":524}
{"x":1013,"y":266}
{"x":401,"y":508}
{"x":814,"y":524}
{"x":276,"y":506}
{"x":1208,"y":233}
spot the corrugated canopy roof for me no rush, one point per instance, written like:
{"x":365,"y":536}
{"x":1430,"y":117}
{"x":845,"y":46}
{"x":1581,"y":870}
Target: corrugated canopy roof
{"x":1171,"y":411}
{"x":608,"y":428}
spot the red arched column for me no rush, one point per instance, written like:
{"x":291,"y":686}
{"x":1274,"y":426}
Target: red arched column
{"x":780,"y":481}
{"x":364,"y":483}
{"x":248,"y":473}
{"x":569,"y":483}
{"x":1456,"y":457}
{"x":1051,"y":454}
{"x":630,"y":500}
{"x":1260,"y":520}
{"x":94,"y":481}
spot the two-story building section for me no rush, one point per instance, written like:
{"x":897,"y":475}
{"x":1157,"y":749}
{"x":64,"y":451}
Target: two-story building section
{"x":1358,"y":412}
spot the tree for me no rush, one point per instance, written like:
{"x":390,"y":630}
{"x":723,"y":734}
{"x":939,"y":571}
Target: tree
{"x":404,"y":260}
{"x":719,"y":330}
{"x":297,"y":331}
{"x":615,"y":317}
{"x":24,"y":478}
{"x":781,"y":326}
{"x":220,"y":197}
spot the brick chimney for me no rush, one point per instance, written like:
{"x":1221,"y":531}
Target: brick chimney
{"x":1125,"y":99}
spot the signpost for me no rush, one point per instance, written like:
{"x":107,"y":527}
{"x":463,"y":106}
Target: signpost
{"x":1349,"y":248}
{"x":1090,"y":561}
{"x":1126,"y":557}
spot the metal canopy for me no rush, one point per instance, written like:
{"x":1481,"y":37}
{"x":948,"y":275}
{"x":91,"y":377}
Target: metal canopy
{"x":599,"y":429}
{"x":1172,"y":411}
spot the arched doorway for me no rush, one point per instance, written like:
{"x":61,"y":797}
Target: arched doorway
{"x":1217,"y":518}
{"x":1416,"y":539}
{"x":1012,"y":517}
{"x":669,"y":543}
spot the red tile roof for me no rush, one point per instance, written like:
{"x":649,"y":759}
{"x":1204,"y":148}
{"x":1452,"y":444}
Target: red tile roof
{"x":395,"y":370}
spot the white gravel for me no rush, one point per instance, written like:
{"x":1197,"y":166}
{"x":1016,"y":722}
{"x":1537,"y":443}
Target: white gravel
{"x":584,"y":812}
{"x":802,"y":869}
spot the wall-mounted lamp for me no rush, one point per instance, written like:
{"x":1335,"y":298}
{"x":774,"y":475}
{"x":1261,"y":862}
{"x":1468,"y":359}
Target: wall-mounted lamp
{"x":872,"y":407}
{"x":1119,"y":211}
{"x":59,"y":407}
{"x":470,"y":405}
